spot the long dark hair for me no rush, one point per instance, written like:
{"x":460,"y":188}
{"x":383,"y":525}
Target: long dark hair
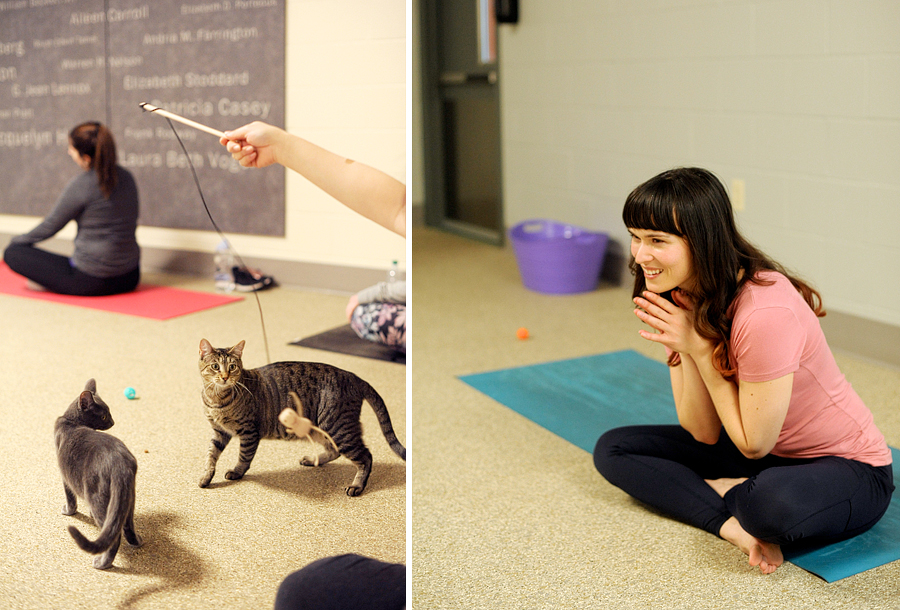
{"x":692,"y":203}
{"x":95,"y":140}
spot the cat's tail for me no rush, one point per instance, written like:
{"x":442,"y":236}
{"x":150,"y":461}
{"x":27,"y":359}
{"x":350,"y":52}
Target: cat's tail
{"x":112,"y":526}
{"x":384,"y":420}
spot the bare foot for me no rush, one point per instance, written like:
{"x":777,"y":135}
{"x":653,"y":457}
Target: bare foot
{"x":721,"y":486}
{"x":764,"y":555}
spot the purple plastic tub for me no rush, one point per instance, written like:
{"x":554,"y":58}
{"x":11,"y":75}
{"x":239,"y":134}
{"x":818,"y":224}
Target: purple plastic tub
{"x":557,"y":258}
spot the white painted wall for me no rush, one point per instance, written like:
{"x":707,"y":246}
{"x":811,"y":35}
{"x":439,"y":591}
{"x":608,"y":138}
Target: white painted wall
{"x":345,"y":91}
{"x":800,"y":99}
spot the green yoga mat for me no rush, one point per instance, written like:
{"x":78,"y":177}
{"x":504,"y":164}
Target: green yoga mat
{"x":581,"y":398}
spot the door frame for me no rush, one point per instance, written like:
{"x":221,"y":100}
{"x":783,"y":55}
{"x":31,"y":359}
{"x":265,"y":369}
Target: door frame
{"x":433,"y":136}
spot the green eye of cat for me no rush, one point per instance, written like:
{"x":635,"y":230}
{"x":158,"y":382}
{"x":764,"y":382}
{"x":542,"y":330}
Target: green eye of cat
{"x":232,"y":367}
{"x":215,"y":367}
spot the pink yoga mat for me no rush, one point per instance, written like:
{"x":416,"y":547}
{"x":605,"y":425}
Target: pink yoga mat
{"x":148,"y":301}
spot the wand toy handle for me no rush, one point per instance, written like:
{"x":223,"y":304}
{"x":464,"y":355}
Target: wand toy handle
{"x":151,"y":108}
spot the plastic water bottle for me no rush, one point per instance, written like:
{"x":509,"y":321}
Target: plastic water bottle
{"x":224,"y":260}
{"x":392,"y":273}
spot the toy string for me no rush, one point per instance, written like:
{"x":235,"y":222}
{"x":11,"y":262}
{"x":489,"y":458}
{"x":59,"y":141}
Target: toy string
{"x":262,"y":320}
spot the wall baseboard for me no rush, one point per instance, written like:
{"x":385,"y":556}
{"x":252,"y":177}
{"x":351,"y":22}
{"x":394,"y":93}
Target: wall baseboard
{"x":312,"y":276}
{"x":298,"y":274}
{"x":869,"y":339}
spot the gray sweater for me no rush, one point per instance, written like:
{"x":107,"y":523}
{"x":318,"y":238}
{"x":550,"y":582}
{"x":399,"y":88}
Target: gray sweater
{"x":105,"y":245}
{"x":383,"y":292}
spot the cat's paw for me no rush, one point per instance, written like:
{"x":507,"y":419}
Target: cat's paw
{"x":231,"y":475}
{"x":308,"y":461}
{"x":205,"y":479}
{"x":135,"y":540}
{"x":69,"y":510}
{"x":102,"y":562}
{"x":354,"y":490}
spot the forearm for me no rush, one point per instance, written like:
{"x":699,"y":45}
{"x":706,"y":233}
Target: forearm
{"x":361,"y":188}
{"x":696,"y":412}
{"x":47,"y":228}
{"x":752,"y":413}
{"x":69,"y":205}
{"x":726,"y":400}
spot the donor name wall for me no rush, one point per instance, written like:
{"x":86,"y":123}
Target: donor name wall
{"x":221,"y":64}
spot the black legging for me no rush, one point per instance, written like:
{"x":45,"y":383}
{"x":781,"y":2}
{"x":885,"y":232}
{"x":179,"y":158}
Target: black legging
{"x":344,"y":582}
{"x":783,"y":501}
{"x":55,"y":273}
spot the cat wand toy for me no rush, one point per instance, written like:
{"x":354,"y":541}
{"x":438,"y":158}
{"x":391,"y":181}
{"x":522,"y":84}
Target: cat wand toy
{"x":301,"y":426}
{"x":170,"y":115}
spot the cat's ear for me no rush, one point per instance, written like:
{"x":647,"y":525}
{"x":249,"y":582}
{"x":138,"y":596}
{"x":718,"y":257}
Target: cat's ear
{"x":205,"y":348}
{"x":91,"y":386}
{"x":237,"y":350}
{"x":85,"y":400}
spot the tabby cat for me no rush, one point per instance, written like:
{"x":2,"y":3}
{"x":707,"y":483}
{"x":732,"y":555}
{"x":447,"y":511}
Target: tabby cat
{"x":98,"y":468}
{"x":246,"y":403}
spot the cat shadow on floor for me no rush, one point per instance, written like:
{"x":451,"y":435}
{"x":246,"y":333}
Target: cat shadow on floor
{"x":325,"y":482}
{"x":170,"y":563}
{"x":86,"y":519}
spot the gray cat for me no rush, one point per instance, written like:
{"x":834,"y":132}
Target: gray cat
{"x":246,"y":403}
{"x":98,"y":468}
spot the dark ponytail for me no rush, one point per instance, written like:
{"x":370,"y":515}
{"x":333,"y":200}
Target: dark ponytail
{"x":96,"y":141}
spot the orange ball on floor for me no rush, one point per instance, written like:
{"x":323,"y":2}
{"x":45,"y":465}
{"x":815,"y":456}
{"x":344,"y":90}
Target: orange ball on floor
{"x":522,"y":333}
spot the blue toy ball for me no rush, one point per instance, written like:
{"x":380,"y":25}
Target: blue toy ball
{"x":130,"y":393}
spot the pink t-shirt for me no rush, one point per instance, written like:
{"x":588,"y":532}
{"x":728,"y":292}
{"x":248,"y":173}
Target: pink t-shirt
{"x":774,"y":332}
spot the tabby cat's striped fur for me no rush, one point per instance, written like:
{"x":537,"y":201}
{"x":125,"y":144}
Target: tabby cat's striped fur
{"x":246,"y":403}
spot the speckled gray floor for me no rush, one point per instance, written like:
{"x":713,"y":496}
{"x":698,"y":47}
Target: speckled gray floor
{"x":224,"y":547}
{"x":508,"y":515}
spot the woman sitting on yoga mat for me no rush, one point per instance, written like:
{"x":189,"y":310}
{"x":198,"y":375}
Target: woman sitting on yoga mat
{"x":378,"y":314}
{"x":774,"y":446}
{"x":103,"y":201}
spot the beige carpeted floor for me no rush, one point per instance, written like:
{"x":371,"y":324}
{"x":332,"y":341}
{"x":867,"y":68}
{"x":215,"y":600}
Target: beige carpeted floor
{"x":508,"y":515}
{"x":228,"y":546}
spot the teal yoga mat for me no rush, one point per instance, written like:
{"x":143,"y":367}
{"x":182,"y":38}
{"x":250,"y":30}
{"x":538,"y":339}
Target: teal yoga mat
{"x":581,"y":398}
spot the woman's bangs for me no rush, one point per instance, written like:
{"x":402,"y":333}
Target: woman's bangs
{"x":650,"y":211}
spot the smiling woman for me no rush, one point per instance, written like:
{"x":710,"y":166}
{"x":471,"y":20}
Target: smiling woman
{"x":773,"y":446}
{"x":664,"y":259}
